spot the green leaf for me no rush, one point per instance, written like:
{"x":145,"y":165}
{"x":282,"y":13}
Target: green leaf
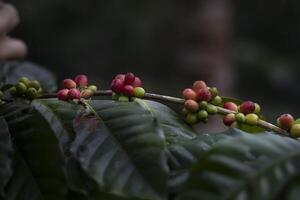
{"x":247,"y":167}
{"x":230,"y":99}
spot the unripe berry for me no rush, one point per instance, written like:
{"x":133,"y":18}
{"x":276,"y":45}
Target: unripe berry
{"x":204,"y":95}
{"x":189,"y":94}
{"x":202,"y":115}
{"x":93,"y":88}
{"x":63,"y":94}
{"x":31,"y":93}
{"x":139,"y":92}
{"x":128,"y":91}
{"x":230,"y":106}
{"x":198,"y":85}
{"x":257,"y":108}
{"x":129,"y":78}
{"x":13,"y":91}
{"x":240,"y":118}
{"x":74,"y":94}
{"x":247,"y":107}
{"x":217,"y":101}
{"x":34,"y":84}
{"x":87,"y":93}
{"x":213,"y":91}
{"x":81,"y":80}
{"x":191,"y":118}
{"x":251,"y":119}
{"x":295,"y":131}
{"x":191,"y":105}
{"x":115,"y":96}
{"x":184,"y":112}
{"x":297,"y":121}
{"x":21,"y":88}
{"x":137,"y":82}
{"x":25,"y":80}
{"x":1,"y":94}
{"x":123,"y":99}
{"x":229,"y":119}
{"x":69,"y":84}
{"x":211,"y":109}
{"x":285,"y":121}
{"x":40,"y":92}
{"x":117,"y":85}
{"x":203,"y":105}
{"x":121,"y":77}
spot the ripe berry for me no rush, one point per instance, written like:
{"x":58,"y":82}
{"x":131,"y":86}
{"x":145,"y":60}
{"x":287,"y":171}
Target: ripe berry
{"x":204,"y":95}
{"x":21,"y":88}
{"x":247,"y":107}
{"x":74,"y":94}
{"x":63,"y":94}
{"x":191,"y":118}
{"x":251,"y":119}
{"x":139,"y":92}
{"x":129,"y":79}
{"x":213,"y":91}
{"x":123,"y":99}
{"x":229,"y":119}
{"x":117,"y":85}
{"x":198,"y":85}
{"x":285,"y":121}
{"x":189,"y":94}
{"x":93,"y":88}
{"x":87,"y":93}
{"x":211,"y":109}
{"x":202,"y":115}
{"x":240,"y":118}
{"x":31,"y":93}
{"x":217,"y":101}
{"x":25,"y":80}
{"x":230,"y":106}
{"x":34,"y":84}
{"x":257,"y":108}
{"x":81,"y":80}
{"x":121,"y":77}
{"x":128,"y":91}
{"x":137,"y":82}
{"x":203,"y":105}
{"x":69,"y":84}
{"x":295,"y":131}
{"x":191,"y":105}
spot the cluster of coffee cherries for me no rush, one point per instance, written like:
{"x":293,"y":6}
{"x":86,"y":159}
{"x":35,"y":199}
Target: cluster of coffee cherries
{"x":76,"y":89}
{"x":200,"y":101}
{"x":29,"y":89}
{"x":126,"y":87}
{"x":247,"y":112}
{"x":288,"y":123}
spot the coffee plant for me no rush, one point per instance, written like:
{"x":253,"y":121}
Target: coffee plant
{"x":82,"y":143}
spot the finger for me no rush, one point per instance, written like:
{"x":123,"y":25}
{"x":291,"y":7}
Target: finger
{"x":11,"y":48}
{"x":9,"y":17}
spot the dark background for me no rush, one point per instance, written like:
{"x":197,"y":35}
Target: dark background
{"x":248,"y":48}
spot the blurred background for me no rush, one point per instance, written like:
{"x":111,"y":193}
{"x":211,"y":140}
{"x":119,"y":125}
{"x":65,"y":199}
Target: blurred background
{"x":249,"y":49}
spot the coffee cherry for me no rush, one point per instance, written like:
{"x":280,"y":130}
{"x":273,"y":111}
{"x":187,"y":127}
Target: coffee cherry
{"x":1,"y":94}
{"x":295,"y":131}
{"x":87,"y":93}
{"x":69,"y":84}
{"x":117,"y":85}
{"x":115,"y":96}
{"x":129,"y":79}
{"x":202,"y":115}
{"x":123,"y":99}
{"x":229,"y":119}
{"x":191,"y":118}
{"x":247,"y":107}
{"x":121,"y":77}
{"x":137,"y":82}
{"x":198,"y":85}
{"x":63,"y":94}
{"x":257,"y":108}
{"x":211,"y":109}
{"x":285,"y":121}
{"x":40,"y":92}
{"x":217,"y":101}
{"x":74,"y":94}
{"x":240,"y":118}
{"x":21,"y":88}
{"x":189,"y":94}
{"x":34,"y":84}
{"x":230,"y":106}
{"x":251,"y":119}
{"x":204,"y":95}
{"x":191,"y":105}
{"x":13,"y":91}
{"x":128,"y":91}
{"x":25,"y":80}
{"x":184,"y":112}
{"x":93,"y":88}
{"x":81,"y":80}
{"x":203,"y":105}
{"x":139,"y":92}
{"x":31,"y":93}
{"x":297,"y":121}
{"x":213,"y":91}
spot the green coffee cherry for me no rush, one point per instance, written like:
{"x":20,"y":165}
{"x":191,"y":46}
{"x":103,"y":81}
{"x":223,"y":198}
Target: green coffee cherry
{"x":217,"y":101}
{"x":25,"y":80}
{"x":297,"y":121}
{"x":295,"y":131}
{"x":123,"y":99}
{"x":139,"y":92}
{"x":21,"y":88}
{"x":251,"y":119}
{"x":203,"y":105}
{"x":257,"y":108}
{"x":184,"y":112}
{"x":115,"y":96}
{"x":35,"y":84}
{"x":213,"y":91}
{"x":31,"y":93}
{"x":202,"y":115}
{"x":1,"y":94}
{"x":191,"y":118}
{"x":13,"y":91}
{"x":92,"y":88}
{"x":240,"y":118}
{"x":211,"y":109}
{"x":40,"y":92}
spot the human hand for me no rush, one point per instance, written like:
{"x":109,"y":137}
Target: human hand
{"x":10,"y":48}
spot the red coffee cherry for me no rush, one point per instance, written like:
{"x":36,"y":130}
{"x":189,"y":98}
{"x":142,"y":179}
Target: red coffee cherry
{"x":189,"y":94}
{"x":129,"y":79}
{"x":81,"y":80}
{"x":120,"y":76}
{"x":204,"y":95}
{"x":137,"y":82}
{"x":74,"y":94}
{"x":285,"y":121}
{"x":198,"y":85}
{"x":128,"y":91}
{"x":230,"y":106}
{"x":117,"y":85}
{"x":191,"y":105}
{"x":63,"y":94}
{"x":229,"y":119}
{"x":69,"y":84}
{"x":247,"y":107}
